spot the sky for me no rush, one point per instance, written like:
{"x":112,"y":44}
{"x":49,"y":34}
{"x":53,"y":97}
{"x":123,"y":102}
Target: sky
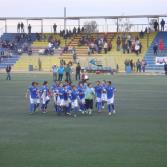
{"x":54,"y":8}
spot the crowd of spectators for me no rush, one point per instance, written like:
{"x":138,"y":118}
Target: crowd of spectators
{"x":98,"y":45}
{"x":69,"y":33}
{"x":129,"y":44}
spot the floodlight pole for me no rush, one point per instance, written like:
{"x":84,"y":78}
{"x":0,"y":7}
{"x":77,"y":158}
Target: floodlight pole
{"x":5,"y":26}
{"x":65,"y":24}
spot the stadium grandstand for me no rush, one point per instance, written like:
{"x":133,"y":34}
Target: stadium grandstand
{"x":117,"y":47}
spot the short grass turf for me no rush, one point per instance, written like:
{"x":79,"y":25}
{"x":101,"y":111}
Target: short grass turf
{"x":135,"y":137}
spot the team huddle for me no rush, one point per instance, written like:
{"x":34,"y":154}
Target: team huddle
{"x":70,"y":99}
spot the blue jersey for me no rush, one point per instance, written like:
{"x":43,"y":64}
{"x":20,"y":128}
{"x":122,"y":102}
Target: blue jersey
{"x":74,"y":95}
{"x":61,"y":92}
{"x":33,"y":91}
{"x":45,"y":90}
{"x":54,"y":88}
{"x":110,"y":92}
{"x":98,"y":91}
{"x":104,"y":88}
{"x":81,"y":92}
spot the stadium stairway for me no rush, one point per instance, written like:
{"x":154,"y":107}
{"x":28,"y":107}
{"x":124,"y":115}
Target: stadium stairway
{"x":8,"y":61}
{"x":150,"y":57}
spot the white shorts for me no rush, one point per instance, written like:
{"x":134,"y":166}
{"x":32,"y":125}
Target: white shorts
{"x":45,"y":99}
{"x":61,"y":102}
{"x":110,"y":101}
{"x":104,"y":97}
{"x":82,"y":101}
{"x":55,"y":98}
{"x":66,"y":103}
{"x":74,"y":103}
{"x":34,"y":101}
{"x":98,"y":100}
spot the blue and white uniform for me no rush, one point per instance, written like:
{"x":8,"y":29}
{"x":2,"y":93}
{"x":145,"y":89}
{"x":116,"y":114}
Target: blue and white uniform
{"x":45,"y":94}
{"x":34,"y":95}
{"x":74,"y":99}
{"x":98,"y":93}
{"x":104,"y":93}
{"x":110,"y":94}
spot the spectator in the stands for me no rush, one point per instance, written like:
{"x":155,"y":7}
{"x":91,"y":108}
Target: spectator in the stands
{"x":118,"y":43}
{"x":82,"y":29}
{"x":141,"y":34}
{"x":155,"y":48}
{"x":78,"y":72}
{"x":161,"y":45}
{"x":18,"y":27}
{"x":74,"y":30}
{"x":22,"y":27}
{"x":79,"y":30}
{"x":156,"y":25}
{"x":54,"y":28}
{"x":29,"y":29}
{"x":105,"y":47}
{"x":162,"y":25}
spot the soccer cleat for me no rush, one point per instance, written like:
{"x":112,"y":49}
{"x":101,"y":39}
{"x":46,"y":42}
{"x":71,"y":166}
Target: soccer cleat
{"x":68,"y":113}
{"x":75,"y":115}
{"x":90,"y":112}
{"x":82,"y":112}
{"x":114,"y":112}
{"x":109,"y":113}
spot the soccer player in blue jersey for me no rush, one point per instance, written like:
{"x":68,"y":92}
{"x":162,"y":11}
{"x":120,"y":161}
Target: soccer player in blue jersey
{"x":98,"y":91}
{"x":81,"y":92}
{"x":110,"y":98}
{"x":60,"y":98}
{"x":45,"y":93}
{"x":33,"y":93}
{"x":74,"y":100}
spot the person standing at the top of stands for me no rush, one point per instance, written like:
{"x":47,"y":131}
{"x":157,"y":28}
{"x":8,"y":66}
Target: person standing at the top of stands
{"x":22,"y":27}
{"x":29,"y":29}
{"x":8,"y":71}
{"x":162,"y":24}
{"x":18,"y":27}
{"x":156,"y":25}
{"x":79,"y":30}
{"x":54,"y":28}
{"x":165,"y":68}
{"x":78,"y":72}
{"x":74,"y":30}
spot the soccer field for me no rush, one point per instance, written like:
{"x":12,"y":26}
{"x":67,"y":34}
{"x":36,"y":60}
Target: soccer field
{"x":135,"y":137}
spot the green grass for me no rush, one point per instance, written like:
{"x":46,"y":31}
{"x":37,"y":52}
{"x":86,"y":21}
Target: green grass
{"x":135,"y":137}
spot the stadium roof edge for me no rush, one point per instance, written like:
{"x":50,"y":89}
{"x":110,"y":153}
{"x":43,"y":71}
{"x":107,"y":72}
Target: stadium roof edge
{"x":82,"y":17}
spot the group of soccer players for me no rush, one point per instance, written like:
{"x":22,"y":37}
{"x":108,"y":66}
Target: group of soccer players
{"x":71,"y":99}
